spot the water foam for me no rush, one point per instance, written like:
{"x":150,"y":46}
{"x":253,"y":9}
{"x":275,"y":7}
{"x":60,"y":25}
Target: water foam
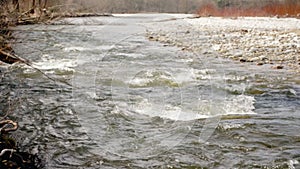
{"x":152,"y":78}
{"x":51,"y":65}
{"x":201,"y":109}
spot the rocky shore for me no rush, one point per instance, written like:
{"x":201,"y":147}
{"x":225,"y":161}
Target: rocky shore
{"x":261,"y":40}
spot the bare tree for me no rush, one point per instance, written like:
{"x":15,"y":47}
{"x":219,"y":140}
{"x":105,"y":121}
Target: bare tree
{"x":16,"y":5}
{"x":32,"y":7}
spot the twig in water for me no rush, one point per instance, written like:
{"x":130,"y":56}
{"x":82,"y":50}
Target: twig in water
{"x":29,"y":64}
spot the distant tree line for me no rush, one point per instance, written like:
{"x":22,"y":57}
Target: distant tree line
{"x":23,"y":5}
{"x":173,"y":6}
{"x":251,"y":3}
{"x":128,"y":6}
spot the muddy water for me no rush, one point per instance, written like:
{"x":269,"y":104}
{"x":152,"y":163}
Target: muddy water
{"x":136,"y":103}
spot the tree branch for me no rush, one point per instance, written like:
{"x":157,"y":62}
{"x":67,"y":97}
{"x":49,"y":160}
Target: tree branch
{"x":7,"y":150}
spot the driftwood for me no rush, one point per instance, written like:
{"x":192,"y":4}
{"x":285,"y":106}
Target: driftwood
{"x":28,"y":20}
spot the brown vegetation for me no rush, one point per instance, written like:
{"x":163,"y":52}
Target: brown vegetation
{"x":282,"y":9}
{"x":128,"y":6}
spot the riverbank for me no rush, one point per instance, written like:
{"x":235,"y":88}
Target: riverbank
{"x":12,"y":153}
{"x":264,"y":41}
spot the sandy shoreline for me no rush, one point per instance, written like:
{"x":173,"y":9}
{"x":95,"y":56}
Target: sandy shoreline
{"x":261,"y":40}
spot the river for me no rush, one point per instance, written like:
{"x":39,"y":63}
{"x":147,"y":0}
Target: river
{"x":122,"y":101}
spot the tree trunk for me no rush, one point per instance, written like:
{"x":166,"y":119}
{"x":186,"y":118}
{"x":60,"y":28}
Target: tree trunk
{"x":45,"y":4}
{"x":32,"y":7}
{"x":16,"y":5}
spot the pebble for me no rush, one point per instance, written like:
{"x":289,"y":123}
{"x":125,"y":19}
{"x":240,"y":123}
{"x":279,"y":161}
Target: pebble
{"x":254,"y":59}
{"x":260,"y":63}
{"x":238,"y":55}
{"x":262,"y":57}
{"x":243,"y":60}
{"x":253,"y":50}
{"x":278,"y":67}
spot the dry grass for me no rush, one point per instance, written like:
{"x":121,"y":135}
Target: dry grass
{"x":274,"y":9}
{"x":282,"y":9}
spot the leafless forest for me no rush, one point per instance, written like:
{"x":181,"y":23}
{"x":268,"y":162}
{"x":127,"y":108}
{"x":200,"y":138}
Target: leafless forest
{"x":130,"y":6}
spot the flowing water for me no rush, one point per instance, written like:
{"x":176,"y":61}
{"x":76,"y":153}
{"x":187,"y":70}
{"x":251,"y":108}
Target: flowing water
{"x":136,"y":103}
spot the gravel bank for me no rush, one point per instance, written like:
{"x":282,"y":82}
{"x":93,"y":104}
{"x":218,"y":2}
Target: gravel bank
{"x":261,"y":40}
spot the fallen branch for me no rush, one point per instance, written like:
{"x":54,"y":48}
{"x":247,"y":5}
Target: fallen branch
{"x":12,"y":58}
{"x":28,"y":20}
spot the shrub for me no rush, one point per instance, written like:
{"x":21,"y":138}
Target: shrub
{"x":271,"y":9}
